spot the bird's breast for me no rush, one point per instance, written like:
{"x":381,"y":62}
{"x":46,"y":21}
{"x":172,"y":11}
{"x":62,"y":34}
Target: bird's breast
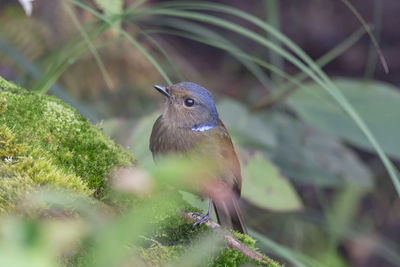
{"x":167,"y":138}
{"x":214,"y":145}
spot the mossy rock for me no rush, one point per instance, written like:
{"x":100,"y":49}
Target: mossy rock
{"x":46,"y":143}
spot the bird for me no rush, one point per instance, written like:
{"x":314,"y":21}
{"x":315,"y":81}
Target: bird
{"x":190,"y":120}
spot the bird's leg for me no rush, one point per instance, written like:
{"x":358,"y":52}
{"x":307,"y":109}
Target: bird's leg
{"x":204,"y":218}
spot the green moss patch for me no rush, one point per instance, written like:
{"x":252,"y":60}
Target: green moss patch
{"x":173,"y":236}
{"x":44,"y":142}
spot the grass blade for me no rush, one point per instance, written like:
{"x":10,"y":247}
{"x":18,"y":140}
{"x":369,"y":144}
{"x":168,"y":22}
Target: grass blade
{"x":91,"y":47}
{"x":229,"y":49}
{"x":285,"y":89}
{"x":371,"y":35}
{"x":272,"y":13}
{"x":165,"y":54}
{"x":59,"y":61}
{"x":377,"y":28}
{"x":208,"y":35}
{"x":127,"y":36}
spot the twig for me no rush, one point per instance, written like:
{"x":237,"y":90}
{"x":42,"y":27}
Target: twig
{"x":231,"y":241}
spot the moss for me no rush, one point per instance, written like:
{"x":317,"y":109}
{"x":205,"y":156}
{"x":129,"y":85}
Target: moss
{"x":44,"y":142}
{"x":3,"y":105}
{"x":173,"y":236}
{"x":158,"y":255}
{"x":170,"y":228}
{"x":230,"y":257}
{"x":9,"y":147}
{"x":4,"y":84}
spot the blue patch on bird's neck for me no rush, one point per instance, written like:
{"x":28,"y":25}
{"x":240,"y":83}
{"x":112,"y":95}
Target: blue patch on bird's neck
{"x":203,"y":128}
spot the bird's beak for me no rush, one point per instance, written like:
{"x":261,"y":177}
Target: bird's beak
{"x":162,"y":90}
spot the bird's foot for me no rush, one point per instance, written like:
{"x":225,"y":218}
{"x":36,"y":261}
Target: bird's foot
{"x":198,"y":214}
{"x":203,"y":219}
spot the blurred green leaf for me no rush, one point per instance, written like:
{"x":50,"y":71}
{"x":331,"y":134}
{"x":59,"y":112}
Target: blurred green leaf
{"x":302,"y":153}
{"x":309,"y":156}
{"x":140,"y":138}
{"x":265,"y":187}
{"x":111,"y":8}
{"x":378,"y":103}
{"x":201,"y":251}
{"x":294,"y":257}
{"x":249,"y":128}
{"x":134,"y":134}
{"x":194,"y":200}
{"x":22,"y":244}
{"x":341,"y":216}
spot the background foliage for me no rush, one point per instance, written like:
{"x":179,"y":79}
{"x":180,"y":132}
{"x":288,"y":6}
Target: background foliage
{"x":314,"y":116}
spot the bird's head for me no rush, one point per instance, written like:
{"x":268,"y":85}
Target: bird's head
{"x":189,"y":105}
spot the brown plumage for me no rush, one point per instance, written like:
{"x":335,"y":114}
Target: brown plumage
{"x":190,"y":124}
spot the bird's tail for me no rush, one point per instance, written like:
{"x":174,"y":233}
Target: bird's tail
{"x":229,"y":214}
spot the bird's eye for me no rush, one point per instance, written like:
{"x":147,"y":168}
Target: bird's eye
{"x":189,"y":102}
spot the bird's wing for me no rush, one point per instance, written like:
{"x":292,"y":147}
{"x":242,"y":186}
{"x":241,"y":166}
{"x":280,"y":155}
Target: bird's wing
{"x":227,"y":158}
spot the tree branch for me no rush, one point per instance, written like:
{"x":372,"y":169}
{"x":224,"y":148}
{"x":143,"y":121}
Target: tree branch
{"x":231,"y":241}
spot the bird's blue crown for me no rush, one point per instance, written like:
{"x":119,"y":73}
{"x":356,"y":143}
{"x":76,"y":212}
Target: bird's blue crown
{"x":205,"y":98}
